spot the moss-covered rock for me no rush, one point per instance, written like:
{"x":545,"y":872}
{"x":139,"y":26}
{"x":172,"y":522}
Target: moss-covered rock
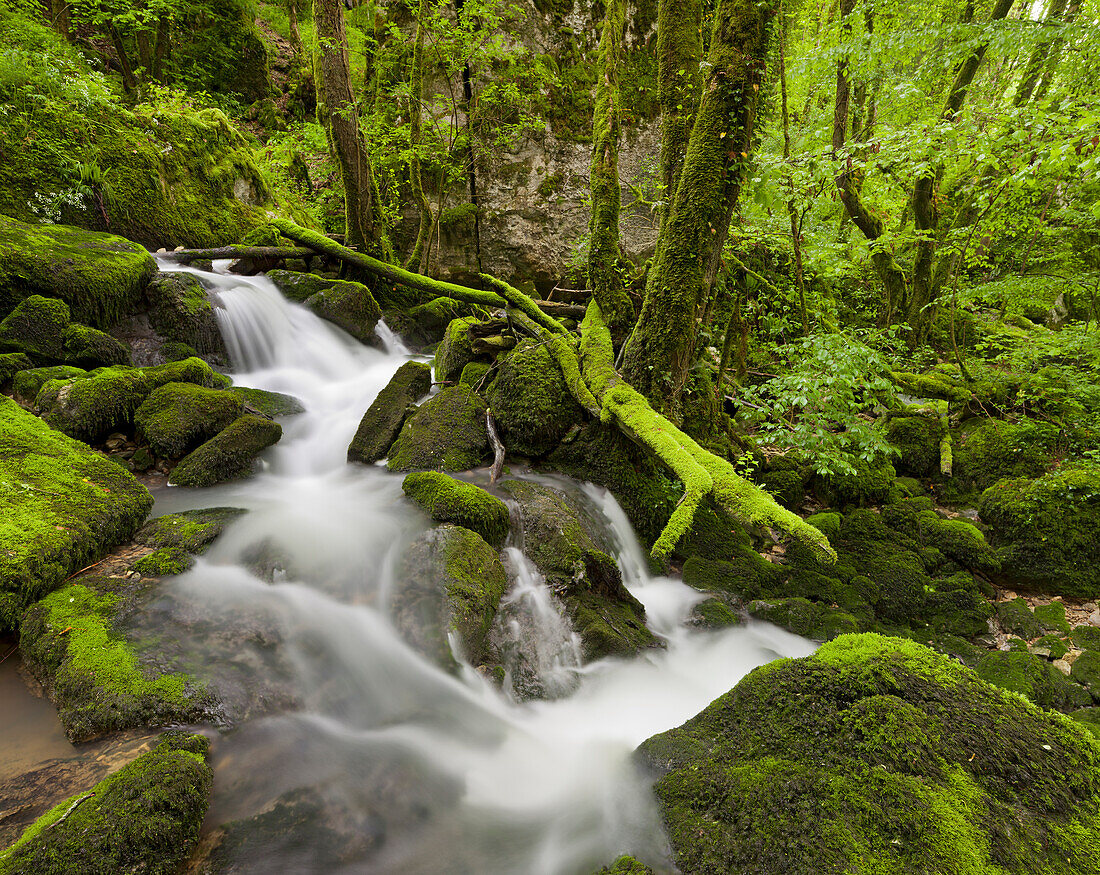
{"x":92,"y":673}
{"x":957,"y":539}
{"x":451,"y":582}
{"x":869,"y":485}
{"x":917,"y":439}
{"x":297,"y":286}
{"x":607,"y":617}
{"x":177,"y":417}
{"x":228,"y":455}
{"x":987,"y":450}
{"x":36,"y":326}
{"x":1053,"y":617}
{"x":99,"y":276}
{"x":189,"y":530}
{"x":143,"y":818}
{"x":106,"y":399}
{"x":1016,"y":618}
{"x":625,"y":865}
{"x":63,"y":508}
{"x":349,"y":306}
{"x":382,"y":422}
{"x":473,"y":373}
{"x":803,"y":617}
{"x":91,"y":348}
{"x":180,"y":310}
{"x":877,"y":755}
{"x":430,"y":320}
{"x":267,"y":403}
{"x":446,"y":433}
{"x":27,"y":384}
{"x":12,"y":363}
{"x":447,"y":500}
{"x":1034,"y":677}
{"x":1086,"y":670}
{"x":531,"y":403}
{"x":1048,"y":531}
{"x":456,"y":350}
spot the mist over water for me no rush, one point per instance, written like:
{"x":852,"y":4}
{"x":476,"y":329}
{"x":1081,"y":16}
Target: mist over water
{"x":352,"y":753}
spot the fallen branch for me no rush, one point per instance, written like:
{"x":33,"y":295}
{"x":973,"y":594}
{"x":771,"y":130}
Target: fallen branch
{"x":498,"y":447}
{"x":186,"y":256}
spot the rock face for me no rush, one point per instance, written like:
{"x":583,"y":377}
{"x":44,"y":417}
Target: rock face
{"x":144,"y":818}
{"x":99,"y":276}
{"x":229,"y":454}
{"x":447,"y":500}
{"x":64,"y":507}
{"x":606,"y":616}
{"x":446,"y":433}
{"x":452,"y":581}
{"x":382,"y":422}
{"x":877,"y":755}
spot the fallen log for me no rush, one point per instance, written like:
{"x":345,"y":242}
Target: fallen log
{"x":280,"y":253}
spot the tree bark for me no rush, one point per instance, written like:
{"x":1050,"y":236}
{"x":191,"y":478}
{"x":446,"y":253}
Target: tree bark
{"x":660,"y":352}
{"x":129,"y":83}
{"x":679,"y":49}
{"x":604,"y":256}
{"x":418,"y":258}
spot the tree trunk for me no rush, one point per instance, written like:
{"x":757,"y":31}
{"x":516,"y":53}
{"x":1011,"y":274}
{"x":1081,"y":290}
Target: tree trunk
{"x":163,"y":50}
{"x":659,"y":353}
{"x":363,"y":227}
{"x":792,"y":210}
{"x":678,"y":51}
{"x":418,"y":258}
{"x":129,"y":83}
{"x":604,"y":276}
{"x":295,"y":32}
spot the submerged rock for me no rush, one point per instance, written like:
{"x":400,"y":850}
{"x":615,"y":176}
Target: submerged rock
{"x":606,"y":616}
{"x":452,"y":582}
{"x":64,"y":507}
{"x":143,"y":818}
{"x":446,"y":433}
{"x":177,"y":417}
{"x":229,"y":454}
{"x":382,"y":422}
{"x":876,"y":754}
{"x":447,"y":500}
{"x":99,"y":276}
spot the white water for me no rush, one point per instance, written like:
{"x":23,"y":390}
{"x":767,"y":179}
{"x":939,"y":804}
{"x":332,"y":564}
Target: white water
{"x":407,"y":769}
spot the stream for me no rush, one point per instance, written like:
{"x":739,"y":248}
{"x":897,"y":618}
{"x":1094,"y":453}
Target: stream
{"x":349,"y":752}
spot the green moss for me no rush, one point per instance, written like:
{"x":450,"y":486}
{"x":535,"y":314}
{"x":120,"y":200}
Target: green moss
{"x":105,"y":400}
{"x":1054,"y":644}
{"x":451,"y":581}
{"x":27,"y":384}
{"x":177,"y":417}
{"x":957,"y":539}
{"x":267,"y":403}
{"x":625,"y":866}
{"x":446,"y":433}
{"x":877,"y":755}
{"x":806,"y":618}
{"x":932,"y":385}
{"x":228,"y":455}
{"x":917,"y":439}
{"x":473,"y":373}
{"x":91,"y":348}
{"x":447,"y":500}
{"x":296,"y":285}
{"x":430,"y":320}
{"x":746,"y":575}
{"x":64,"y":508}
{"x":192,"y":530}
{"x":1053,"y":617}
{"x":99,"y":276}
{"x":12,"y":363}
{"x":36,"y":327}
{"x":382,"y":422}
{"x":1086,"y":670}
{"x":145,"y":817}
{"x":92,"y":673}
{"x":530,"y":401}
{"x":456,"y":350}
{"x":995,"y":449}
{"x":607,"y":617}
{"x":1086,"y":637}
{"x":714,"y":613}
{"x":180,"y":311}
{"x":1034,"y":677}
{"x":869,"y":485}
{"x":349,"y":306}
{"x":1016,"y":618}
{"x":164,"y":562}
{"x":1048,"y":530}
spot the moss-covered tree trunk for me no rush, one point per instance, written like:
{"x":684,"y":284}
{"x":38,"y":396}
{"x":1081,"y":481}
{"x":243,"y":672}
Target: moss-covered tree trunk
{"x":604,"y":256}
{"x":679,"y":48}
{"x":660,"y":352}
{"x":418,"y":258}
{"x":364,"y":230}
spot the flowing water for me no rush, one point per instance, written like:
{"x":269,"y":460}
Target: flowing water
{"x":349,"y":752}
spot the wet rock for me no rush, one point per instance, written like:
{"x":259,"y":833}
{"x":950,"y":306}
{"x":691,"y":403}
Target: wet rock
{"x":456,"y":350}
{"x":446,"y":433}
{"x":447,"y":500}
{"x":382,"y":421}
{"x":267,"y":403}
{"x":180,"y":310}
{"x":792,"y":771}
{"x":27,"y":384}
{"x":297,"y":286}
{"x":349,"y":306}
{"x":430,"y":320}
{"x":177,"y":417}
{"x":228,"y":455}
{"x":606,"y":616}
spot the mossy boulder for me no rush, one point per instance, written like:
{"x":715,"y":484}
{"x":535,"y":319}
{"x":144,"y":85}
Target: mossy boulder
{"x":557,"y":539}
{"x":1048,"y":531}
{"x":177,"y":417}
{"x":1086,"y":670}
{"x":99,"y":276}
{"x":64,"y":508}
{"x":349,"y":306}
{"x":803,"y":617}
{"x":473,"y":373}
{"x":956,"y":539}
{"x":295,"y":285}
{"x":106,"y":399}
{"x":1034,"y":677}
{"x":447,"y":500}
{"x":1017,"y":618}
{"x":92,"y":673}
{"x":180,"y":311}
{"x":228,"y":455}
{"x":12,"y":363}
{"x":877,"y":755}
{"x":868,"y":485}
{"x":430,"y":320}
{"x":451,"y":581}
{"x":267,"y":403}
{"x":40,"y":327}
{"x":531,"y":403}
{"x":143,"y":818}
{"x":917,"y":440}
{"x":625,"y":865}
{"x":987,"y":450}
{"x":455,"y":351}
{"x":446,"y":433}
{"x":27,"y":384}
{"x":382,"y":422}
{"x":178,"y":537}
{"x":91,"y":348}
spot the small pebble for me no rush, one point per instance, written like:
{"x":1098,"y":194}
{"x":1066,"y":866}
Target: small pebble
{"x":1062,"y":666}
